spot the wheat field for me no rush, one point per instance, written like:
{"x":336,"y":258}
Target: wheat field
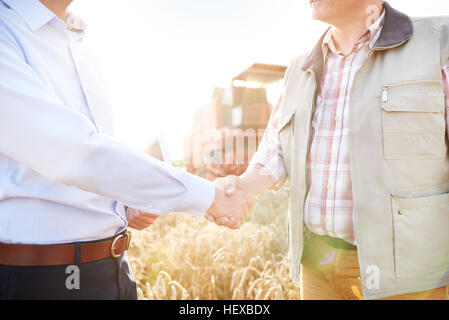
{"x":186,"y":257}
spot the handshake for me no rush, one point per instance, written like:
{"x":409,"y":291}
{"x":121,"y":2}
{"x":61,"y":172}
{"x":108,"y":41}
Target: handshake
{"x":230,"y":208}
{"x":232,"y":202}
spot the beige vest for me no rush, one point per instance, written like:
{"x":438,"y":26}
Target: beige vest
{"x":398,"y":156}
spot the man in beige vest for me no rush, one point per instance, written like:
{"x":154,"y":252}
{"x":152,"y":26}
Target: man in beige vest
{"x":361,"y":135}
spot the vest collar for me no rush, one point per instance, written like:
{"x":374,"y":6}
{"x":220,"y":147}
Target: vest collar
{"x":397,"y":29}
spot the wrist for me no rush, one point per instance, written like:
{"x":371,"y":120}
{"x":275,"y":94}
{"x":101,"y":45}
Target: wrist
{"x":212,"y":207}
{"x":255,"y":181}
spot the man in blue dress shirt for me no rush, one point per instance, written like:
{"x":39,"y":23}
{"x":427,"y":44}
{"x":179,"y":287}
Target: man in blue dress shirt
{"x":65,"y":181}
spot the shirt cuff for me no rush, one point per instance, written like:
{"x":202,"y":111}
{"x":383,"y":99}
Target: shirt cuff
{"x":199,"y":195}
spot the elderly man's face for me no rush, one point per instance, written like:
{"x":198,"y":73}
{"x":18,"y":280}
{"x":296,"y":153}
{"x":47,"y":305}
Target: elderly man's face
{"x":332,"y":11}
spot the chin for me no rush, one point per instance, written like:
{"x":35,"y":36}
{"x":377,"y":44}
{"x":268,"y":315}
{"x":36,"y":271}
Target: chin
{"x":316,"y":15}
{"x":320,"y":16}
{"x":321,"y":11}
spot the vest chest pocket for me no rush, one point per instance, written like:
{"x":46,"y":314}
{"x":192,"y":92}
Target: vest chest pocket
{"x":413,"y":120}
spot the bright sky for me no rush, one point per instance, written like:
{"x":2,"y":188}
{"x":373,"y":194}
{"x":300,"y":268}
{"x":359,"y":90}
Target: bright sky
{"x":162,"y":58}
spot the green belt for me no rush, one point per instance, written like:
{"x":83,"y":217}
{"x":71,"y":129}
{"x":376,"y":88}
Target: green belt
{"x":318,"y":249}
{"x":336,"y":243}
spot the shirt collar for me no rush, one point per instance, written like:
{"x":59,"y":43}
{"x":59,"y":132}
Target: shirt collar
{"x":36,"y":15}
{"x":371,"y":35}
{"x":33,"y":12}
{"x":75,"y":24}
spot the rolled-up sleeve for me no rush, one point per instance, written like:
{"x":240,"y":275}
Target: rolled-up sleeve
{"x":40,"y":132}
{"x":269,"y":158}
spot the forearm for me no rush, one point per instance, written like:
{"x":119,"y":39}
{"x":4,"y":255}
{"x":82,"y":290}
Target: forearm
{"x":256,"y":180}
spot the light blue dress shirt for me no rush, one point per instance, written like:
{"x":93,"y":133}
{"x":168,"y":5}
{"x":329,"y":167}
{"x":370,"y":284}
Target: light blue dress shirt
{"x":63,"y":177}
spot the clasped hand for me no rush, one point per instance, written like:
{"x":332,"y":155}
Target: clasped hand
{"x":230,"y":208}
{"x":232,"y":202}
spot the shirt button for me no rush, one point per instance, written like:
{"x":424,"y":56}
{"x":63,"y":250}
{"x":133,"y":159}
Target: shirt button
{"x":342,"y":88}
{"x":329,"y":187}
{"x":332,"y":153}
{"x":337,"y":118}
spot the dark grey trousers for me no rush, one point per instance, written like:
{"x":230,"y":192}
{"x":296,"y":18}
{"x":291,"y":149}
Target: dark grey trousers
{"x":109,"y":278}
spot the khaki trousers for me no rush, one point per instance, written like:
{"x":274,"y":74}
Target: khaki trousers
{"x":334,"y":274}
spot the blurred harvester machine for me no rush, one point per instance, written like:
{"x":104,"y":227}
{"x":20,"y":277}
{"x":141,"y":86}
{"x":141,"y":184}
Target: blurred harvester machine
{"x":227,"y":131}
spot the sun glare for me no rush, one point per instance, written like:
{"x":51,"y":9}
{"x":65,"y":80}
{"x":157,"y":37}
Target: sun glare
{"x":162,"y":59}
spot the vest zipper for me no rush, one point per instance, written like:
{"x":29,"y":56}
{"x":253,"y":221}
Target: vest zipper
{"x":405,"y":84}
{"x":305,"y":162}
{"x":310,"y":131}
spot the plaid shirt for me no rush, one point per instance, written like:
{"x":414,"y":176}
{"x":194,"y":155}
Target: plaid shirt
{"x":329,"y":206}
